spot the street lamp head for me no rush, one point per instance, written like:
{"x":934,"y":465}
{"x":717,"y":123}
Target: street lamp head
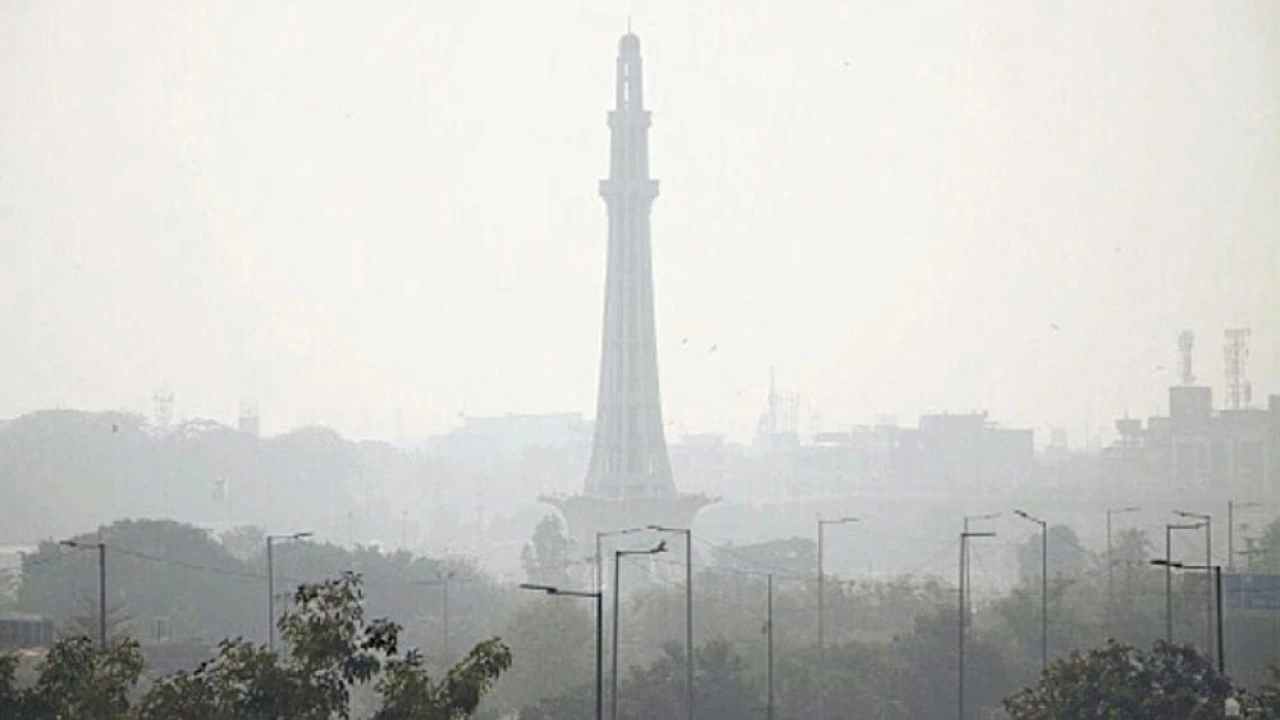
{"x":667,"y":529}
{"x":988,"y":516}
{"x":548,"y":589}
{"x":1166,"y":563}
{"x":977,"y":534}
{"x":838,"y":521}
{"x":625,"y":531}
{"x":302,"y":535}
{"x":1186,"y":526}
{"x":1028,"y":516}
{"x":1185,"y":514}
{"x":661,"y":547}
{"x":1126,"y":509}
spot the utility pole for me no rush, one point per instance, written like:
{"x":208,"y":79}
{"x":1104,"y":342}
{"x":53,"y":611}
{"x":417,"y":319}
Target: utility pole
{"x":1111,"y":564}
{"x":1044,"y":586}
{"x":101,"y":547}
{"x":968,"y":576}
{"x":271,"y":585}
{"x":769,"y":630}
{"x":598,"y":596}
{"x":102,"y":596}
{"x":617,"y":593}
{"x":442,"y":580}
{"x":822,"y":615}
{"x":688,"y":610}
{"x":1168,"y":576}
{"x":961,"y":618}
{"x":1208,"y":562}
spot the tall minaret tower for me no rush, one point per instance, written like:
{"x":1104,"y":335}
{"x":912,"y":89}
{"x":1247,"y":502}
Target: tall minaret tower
{"x":629,"y":456}
{"x":629,"y":483}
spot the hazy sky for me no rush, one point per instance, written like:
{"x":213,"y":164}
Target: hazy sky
{"x":377,"y":215}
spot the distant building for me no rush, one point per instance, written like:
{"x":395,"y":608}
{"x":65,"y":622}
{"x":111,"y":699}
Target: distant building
{"x":25,"y":632}
{"x":945,"y":453}
{"x":1196,"y":448}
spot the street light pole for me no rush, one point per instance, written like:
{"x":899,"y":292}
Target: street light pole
{"x":688,"y":611}
{"x":442,"y":579}
{"x":1168,"y":576}
{"x":1044,"y":586}
{"x":1217,"y":585}
{"x":1208,"y":562}
{"x":271,"y":585}
{"x":964,"y":611}
{"x":617,"y":593}
{"x":598,"y":596}
{"x":822,"y":615}
{"x":600,"y":557}
{"x":102,"y":587}
{"x":968,"y":576}
{"x":1111,"y":564}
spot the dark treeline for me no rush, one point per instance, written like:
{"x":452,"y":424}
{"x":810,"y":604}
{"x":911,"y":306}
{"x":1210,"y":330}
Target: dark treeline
{"x":890,"y":651}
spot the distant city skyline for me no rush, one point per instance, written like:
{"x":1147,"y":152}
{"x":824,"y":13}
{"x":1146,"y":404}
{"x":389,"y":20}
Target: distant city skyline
{"x":378,"y":222}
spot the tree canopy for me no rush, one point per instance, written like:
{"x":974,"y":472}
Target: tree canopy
{"x":331,"y":649}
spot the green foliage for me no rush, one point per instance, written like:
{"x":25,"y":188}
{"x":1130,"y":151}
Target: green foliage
{"x":163,"y":569}
{"x":1119,"y":682}
{"x":548,"y":627}
{"x":1065,"y":554}
{"x":77,"y":680}
{"x":1266,"y":702}
{"x":1268,"y":548}
{"x":410,"y":694}
{"x":333,"y":650}
{"x":149,"y":576}
{"x":9,"y":697}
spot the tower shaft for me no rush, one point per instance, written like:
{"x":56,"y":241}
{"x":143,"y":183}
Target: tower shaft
{"x":629,"y":454}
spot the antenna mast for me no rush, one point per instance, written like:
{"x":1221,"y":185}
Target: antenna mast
{"x":1186,"y":343}
{"x":1237,"y":352}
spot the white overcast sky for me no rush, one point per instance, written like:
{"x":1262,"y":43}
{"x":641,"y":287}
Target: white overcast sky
{"x":379,"y":215}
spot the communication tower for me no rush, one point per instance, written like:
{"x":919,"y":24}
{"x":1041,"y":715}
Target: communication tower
{"x":248,"y":422}
{"x":1237,"y":355}
{"x":162,"y":408}
{"x":1186,"y":344}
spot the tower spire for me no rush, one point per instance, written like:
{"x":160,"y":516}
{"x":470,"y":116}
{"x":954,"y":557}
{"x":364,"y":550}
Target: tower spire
{"x":629,"y":454}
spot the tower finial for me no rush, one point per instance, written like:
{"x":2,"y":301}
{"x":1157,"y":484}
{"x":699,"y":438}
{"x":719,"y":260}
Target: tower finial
{"x":628,"y":24}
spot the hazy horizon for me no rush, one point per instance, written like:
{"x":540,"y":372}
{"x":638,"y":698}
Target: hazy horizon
{"x":378,"y":221}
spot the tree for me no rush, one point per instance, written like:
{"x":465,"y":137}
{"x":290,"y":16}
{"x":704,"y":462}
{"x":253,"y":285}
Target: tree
{"x":1119,"y":682}
{"x":8,"y":691}
{"x":77,"y":680}
{"x":546,"y":558}
{"x":547,"y":627}
{"x":333,"y":650}
{"x":8,"y":589}
{"x":410,"y":694}
{"x":1266,"y":702}
{"x":656,"y":691}
{"x":1066,"y":554}
{"x":244,"y":542}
